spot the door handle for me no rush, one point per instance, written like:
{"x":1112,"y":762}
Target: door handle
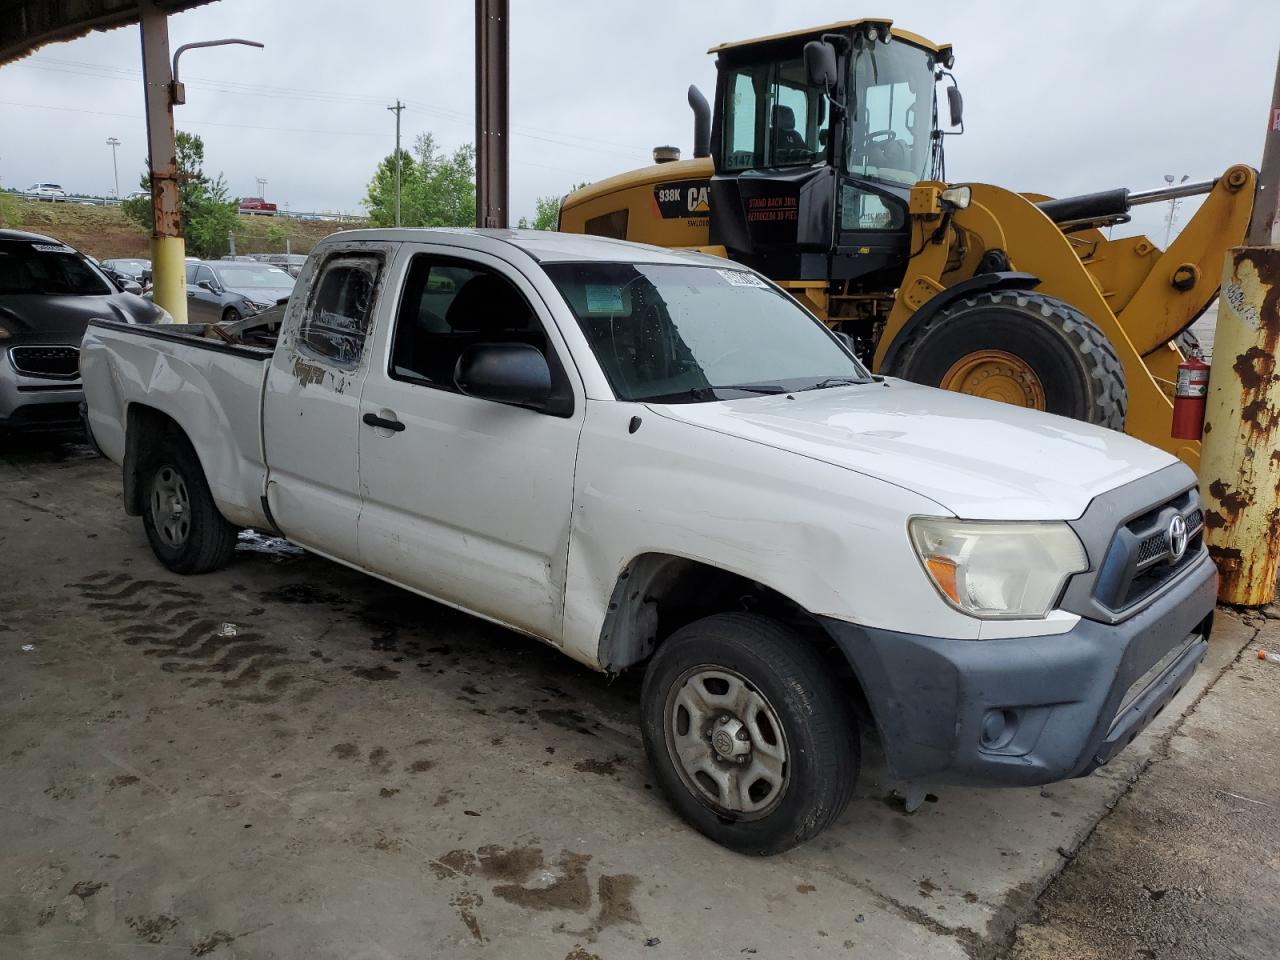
{"x":373,"y":420}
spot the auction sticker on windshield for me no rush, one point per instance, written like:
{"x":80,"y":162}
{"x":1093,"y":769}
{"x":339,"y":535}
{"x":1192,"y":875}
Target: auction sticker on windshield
{"x":739,"y":278}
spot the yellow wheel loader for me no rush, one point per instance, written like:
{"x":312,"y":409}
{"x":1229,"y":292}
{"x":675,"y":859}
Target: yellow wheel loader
{"x":822,"y":166}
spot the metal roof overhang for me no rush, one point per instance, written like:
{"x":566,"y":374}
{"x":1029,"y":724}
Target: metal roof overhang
{"x":27,"y":25}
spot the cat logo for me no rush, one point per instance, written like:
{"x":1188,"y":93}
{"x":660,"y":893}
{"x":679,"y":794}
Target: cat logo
{"x":682,"y":199}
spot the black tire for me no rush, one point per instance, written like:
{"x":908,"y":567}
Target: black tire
{"x":230,"y":315}
{"x":1077,"y":367}
{"x":206,"y":541}
{"x":816,"y":727}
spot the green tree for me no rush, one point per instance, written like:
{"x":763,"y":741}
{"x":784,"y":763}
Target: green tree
{"x":207,"y":213}
{"x":437,"y":189}
{"x":546,"y":215}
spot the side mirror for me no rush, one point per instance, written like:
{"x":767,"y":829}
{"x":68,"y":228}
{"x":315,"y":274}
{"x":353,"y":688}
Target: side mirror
{"x":206,"y":285}
{"x":130,"y":286}
{"x":956,"y":102}
{"x":514,"y":373}
{"x":820,"y":64}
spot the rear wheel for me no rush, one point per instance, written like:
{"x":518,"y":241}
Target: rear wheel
{"x":1023,"y":348}
{"x":185,"y":529}
{"x":748,"y":733}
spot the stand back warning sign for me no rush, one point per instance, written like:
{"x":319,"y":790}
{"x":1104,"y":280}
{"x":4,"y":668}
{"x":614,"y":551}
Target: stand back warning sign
{"x":682,"y":199}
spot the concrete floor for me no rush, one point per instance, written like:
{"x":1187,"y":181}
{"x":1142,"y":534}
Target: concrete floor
{"x":359,"y":773}
{"x":1188,"y":863}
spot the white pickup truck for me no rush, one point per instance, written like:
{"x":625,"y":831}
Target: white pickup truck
{"x":642,"y":456}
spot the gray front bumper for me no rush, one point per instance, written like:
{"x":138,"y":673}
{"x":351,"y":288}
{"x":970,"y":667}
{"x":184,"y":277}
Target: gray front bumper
{"x":1057,"y":700}
{"x":32,"y":403}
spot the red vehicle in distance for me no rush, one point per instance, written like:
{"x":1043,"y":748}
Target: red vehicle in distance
{"x":257,"y":206}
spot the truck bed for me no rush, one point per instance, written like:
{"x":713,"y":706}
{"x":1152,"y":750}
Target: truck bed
{"x":211,"y":388}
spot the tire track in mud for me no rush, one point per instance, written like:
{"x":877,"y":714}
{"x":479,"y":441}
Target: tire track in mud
{"x":164,"y":621}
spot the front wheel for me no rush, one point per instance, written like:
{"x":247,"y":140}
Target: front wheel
{"x":186,"y":531}
{"x":1022,"y":348}
{"x":749,"y":735}
{"x":231,"y":315}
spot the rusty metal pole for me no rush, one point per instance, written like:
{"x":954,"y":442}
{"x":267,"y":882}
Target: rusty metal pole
{"x":168,"y":251}
{"x":1240,"y":458}
{"x":492,"y":115}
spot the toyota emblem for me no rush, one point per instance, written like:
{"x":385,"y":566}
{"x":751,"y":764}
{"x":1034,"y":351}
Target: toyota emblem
{"x":1177,"y":538}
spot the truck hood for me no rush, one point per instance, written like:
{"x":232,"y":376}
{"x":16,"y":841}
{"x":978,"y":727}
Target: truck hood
{"x":979,"y":459}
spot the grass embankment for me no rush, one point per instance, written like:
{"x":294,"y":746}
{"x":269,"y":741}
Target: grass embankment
{"x":105,"y":232}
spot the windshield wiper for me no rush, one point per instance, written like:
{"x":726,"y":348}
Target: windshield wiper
{"x":700,"y":392}
{"x":837,"y":382}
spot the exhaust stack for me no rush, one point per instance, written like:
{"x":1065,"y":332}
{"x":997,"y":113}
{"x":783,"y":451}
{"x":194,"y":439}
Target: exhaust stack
{"x":701,"y":122}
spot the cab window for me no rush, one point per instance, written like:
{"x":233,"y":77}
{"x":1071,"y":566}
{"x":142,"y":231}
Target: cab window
{"x":336,"y":322}
{"x":772,"y":117}
{"x":449,"y":305}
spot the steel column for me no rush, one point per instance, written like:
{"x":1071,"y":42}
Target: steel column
{"x":492,"y":113}
{"x":1265,"y":226}
{"x":1240,"y":458}
{"x":168,"y":250}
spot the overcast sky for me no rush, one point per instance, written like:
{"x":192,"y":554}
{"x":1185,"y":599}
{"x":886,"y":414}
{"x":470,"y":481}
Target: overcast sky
{"x":1060,"y":98}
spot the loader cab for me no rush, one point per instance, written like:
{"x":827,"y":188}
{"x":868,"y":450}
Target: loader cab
{"x":816,"y":150}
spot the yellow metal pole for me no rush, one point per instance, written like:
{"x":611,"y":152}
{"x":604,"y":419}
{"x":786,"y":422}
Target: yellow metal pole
{"x":1240,"y":455}
{"x":168,"y":269}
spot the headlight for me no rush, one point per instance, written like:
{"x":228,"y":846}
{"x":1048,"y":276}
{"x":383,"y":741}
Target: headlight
{"x":998,"y":570}
{"x":4,"y":334}
{"x":258,"y":307}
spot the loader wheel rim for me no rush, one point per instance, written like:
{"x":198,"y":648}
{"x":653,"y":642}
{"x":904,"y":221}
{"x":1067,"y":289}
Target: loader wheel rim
{"x":996,"y":375}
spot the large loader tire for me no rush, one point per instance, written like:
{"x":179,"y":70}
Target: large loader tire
{"x":1022,"y":348}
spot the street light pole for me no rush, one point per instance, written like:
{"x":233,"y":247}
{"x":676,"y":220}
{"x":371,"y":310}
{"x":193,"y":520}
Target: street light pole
{"x":1173,"y":207}
{"x":262,"y":187}
{"x":112,"y":142}
{"x":396,"y":110}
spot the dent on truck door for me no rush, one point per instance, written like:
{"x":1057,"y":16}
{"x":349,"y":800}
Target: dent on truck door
{"x":311,"y":415}
{"x":470,"y":501}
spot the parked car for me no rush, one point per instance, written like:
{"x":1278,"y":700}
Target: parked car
{"x":257,"y":206}
{"x":226,"y":290}
{"x":48,"y":294}
{"x":291,"y":263}
{"x":645,"y":456}
{"x":46,"y":191}
{"x":136,"y":269}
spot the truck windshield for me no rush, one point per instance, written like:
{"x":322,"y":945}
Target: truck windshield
{"x":50,"y":268}
{"x":685,"y":334}
{"x":892,"y":112}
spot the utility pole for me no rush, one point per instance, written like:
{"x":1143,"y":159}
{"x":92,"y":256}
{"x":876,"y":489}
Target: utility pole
{"x":492,"y":114}
{"x":396,"y":110}
{"x":112,"y":142}
{"x":1239,"y":469}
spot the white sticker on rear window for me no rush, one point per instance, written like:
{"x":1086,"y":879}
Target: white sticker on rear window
{"x":52,"y":248}
{"x":604,"y":299}
{"x":740,"y":278}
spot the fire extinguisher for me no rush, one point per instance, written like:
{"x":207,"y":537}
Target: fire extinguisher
{"x":1189,"y":398}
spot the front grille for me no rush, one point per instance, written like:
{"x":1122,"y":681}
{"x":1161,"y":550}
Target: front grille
{"x":58,"y":362}
{"x":1139,"y":561}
